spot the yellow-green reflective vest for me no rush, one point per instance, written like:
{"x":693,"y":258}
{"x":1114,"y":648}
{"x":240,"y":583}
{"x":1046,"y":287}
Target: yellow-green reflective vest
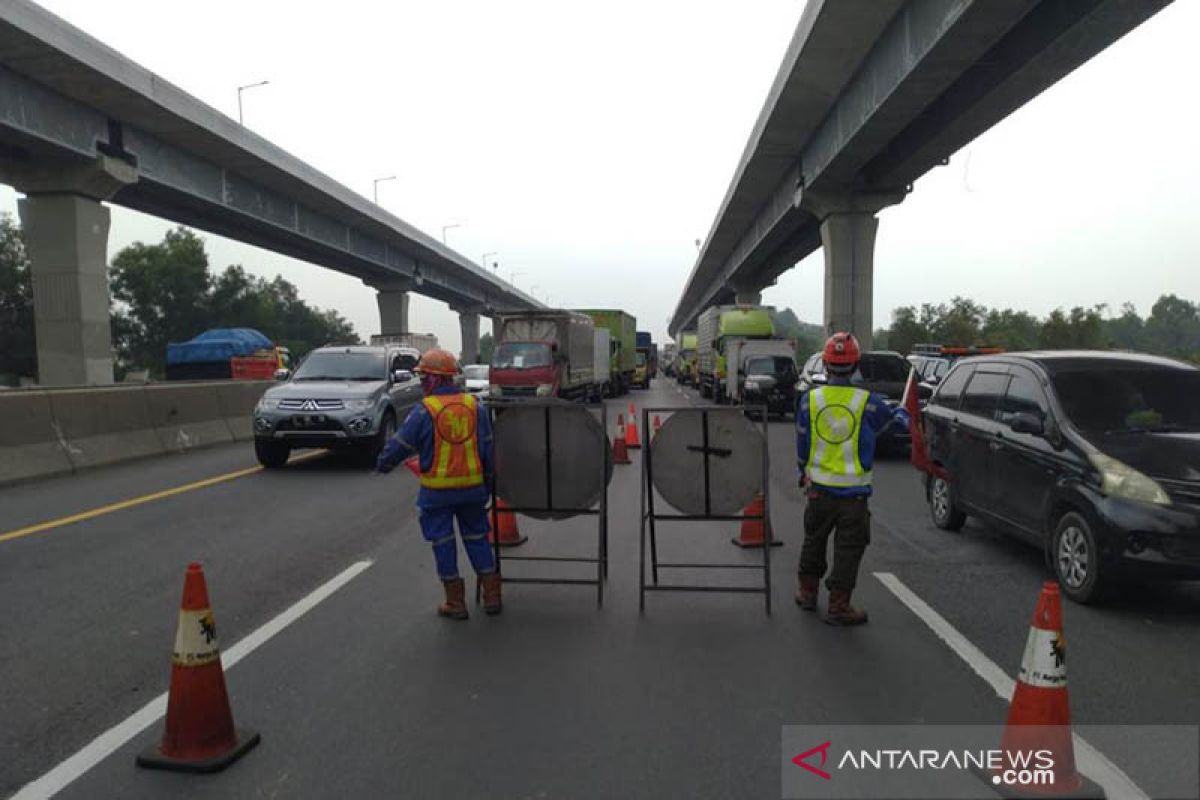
{"x":835,"y":417}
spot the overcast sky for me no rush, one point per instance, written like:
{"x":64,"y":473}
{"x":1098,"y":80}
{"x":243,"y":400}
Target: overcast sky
{"x":589,"y":146}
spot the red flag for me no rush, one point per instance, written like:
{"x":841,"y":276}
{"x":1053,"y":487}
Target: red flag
{"x":414,"y":465}
{"x":919,"y":454}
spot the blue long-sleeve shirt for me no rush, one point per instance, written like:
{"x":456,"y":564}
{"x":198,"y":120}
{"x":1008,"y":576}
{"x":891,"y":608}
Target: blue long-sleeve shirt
{"x":878,"y":414}
{"x":416,"y":436}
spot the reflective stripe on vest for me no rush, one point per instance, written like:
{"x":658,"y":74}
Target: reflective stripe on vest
{"x":835,"y":417}
{"x":456,"y":462}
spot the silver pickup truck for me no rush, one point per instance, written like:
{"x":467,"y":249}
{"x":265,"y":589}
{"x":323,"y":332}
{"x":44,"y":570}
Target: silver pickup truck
{"x":339,"y":397}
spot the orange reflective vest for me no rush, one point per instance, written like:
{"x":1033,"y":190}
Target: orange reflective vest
{"x":456,"y":463}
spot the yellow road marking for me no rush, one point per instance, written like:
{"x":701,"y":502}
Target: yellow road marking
{"x":137,"y":501}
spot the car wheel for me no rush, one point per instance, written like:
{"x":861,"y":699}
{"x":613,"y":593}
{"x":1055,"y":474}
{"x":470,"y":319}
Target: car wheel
{"x":387,"y":429}
{"x":941,"y":506}
{"x":271,"y":454}
{"x":1076,"y":559}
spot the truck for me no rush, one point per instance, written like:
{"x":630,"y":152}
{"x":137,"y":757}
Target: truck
{"x":727,"y":338}
{"x":685,"y":371}
{"x":544,"y":354}
{"x":422,"y":342}
{"x":602,"y":363}
{"x":241,"y":354}
{"x":646,"y":368}
{"x":670,"y":354}
{"x":622,"y":329}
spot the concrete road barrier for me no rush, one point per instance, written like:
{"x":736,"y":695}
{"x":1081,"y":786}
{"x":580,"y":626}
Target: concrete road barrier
{"x":31,"y":445}
{"x":186,"y":415}
{"x":105,"y":424}
{"x":237,"y":400}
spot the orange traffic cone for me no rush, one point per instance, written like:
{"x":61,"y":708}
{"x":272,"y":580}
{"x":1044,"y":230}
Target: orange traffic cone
{"x":620,"y":453}
{"x":504,"y":525}
{"x":1039,"y":717}
{"x":657,"y":426}
{"x":199,"y":736}
{"x":753,"y":533}
{"x":632,"y":440}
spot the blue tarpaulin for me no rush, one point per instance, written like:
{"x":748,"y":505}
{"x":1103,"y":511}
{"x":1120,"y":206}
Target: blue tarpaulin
{"x":218,"y":344}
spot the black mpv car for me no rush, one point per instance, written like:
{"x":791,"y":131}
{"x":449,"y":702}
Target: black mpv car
{"x":1094,"y":456}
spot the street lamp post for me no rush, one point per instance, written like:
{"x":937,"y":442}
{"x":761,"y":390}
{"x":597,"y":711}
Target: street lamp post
{"x":448,"y":227}
{"x":512,"y":278}
{"x":483,"y":261}
{"x":375,"y":187}
{"x":242,"y":89}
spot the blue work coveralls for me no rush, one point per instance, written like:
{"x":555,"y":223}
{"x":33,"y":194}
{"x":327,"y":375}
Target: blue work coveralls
{"x":438,"y":508}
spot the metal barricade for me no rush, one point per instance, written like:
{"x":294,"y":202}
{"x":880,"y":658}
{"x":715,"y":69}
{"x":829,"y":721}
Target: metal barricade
{"x":549,"y":479}
{"x":721,"y":442}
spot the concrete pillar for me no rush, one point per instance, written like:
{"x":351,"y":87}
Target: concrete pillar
{"x":393,"y":311}
{"x":748,"y":297}
{"x":66,"y":235}
{"x":468,"y":322}
{"x":849,"y":243}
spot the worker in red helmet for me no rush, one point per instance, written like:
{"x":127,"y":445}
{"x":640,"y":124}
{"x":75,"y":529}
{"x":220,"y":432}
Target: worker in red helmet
{"x":836,"y":427}
{"x":451,"y":433}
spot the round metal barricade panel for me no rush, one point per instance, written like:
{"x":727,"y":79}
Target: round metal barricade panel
{"x":566,"y":475}
{"x":735,"y":461}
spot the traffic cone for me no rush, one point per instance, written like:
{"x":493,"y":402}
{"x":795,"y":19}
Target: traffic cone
{"x":504,"y":525}
{"x":632,"y":440}
{"x":620,"y":453}
{"x":753,"y":533}
{"x":1039,"y":716}
{"x":657,"y":426}
{"x":199,"y":735}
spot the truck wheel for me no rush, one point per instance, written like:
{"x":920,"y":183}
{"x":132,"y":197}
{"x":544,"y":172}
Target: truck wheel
{"x":271,"y":454}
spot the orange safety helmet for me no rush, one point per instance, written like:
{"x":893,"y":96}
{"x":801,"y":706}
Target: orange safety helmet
{"x":841,"y":350}
{"x":438,"y":362}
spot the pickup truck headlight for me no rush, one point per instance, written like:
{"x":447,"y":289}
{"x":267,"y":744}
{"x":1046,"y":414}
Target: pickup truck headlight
{"x":1121,"y":480}
{"x":267,"y":404}
{"x":545,"y":390}
{"x":494,"y":390}
{"x":359,"y":404}
{"x":751,"y":386}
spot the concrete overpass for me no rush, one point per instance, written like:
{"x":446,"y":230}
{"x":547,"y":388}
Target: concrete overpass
{"x":81,"y":124}
{"x":871,"y":95}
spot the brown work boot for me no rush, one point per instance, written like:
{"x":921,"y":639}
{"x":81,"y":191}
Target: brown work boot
{"x":491,"y":593}
{"x":841,"y":612}
{"x":806,"y":595}
{"x":455,"y":606}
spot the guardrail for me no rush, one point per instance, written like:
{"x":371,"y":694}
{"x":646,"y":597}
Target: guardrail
{"x":47,"y":432}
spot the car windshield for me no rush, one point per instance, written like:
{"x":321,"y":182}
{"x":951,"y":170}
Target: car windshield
{"x":342,"y":365}
{"x":641,"y":359}
{"x":521,"y":355}
{"x":1112,"y":398}
{"x":883,"y":367}
{"x":779,"y":366}
{"x":476,"y":372}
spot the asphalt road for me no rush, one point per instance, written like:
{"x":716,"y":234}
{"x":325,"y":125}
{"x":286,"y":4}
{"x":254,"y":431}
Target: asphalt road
{"x":370,"y":694}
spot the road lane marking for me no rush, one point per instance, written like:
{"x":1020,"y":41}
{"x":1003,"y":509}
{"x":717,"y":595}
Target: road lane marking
{"x":137,"y":501}
{"x":1088,"y":759}
{"x":116,"y":737}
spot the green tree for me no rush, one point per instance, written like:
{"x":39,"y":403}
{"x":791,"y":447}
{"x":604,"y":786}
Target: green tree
{"x":18,"y":353}
{"x":1012,"y":330}
{"x":1173,"y":327}
{"x":160,"y":294}
{"x":487,"y":346}
{"x":1128,"y":331}
{"x":1082,"y":328}
{"x":907,"y":330}
{"x":960,"y":324}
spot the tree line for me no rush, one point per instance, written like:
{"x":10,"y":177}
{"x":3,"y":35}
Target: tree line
{"x":1171,"y":329}
{"x":162,"y":293}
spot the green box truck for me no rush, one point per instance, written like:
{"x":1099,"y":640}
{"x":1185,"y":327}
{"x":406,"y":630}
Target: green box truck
{"x":622,"y":328}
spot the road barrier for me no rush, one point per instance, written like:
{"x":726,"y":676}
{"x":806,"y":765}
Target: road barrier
{"x":47,"y":432}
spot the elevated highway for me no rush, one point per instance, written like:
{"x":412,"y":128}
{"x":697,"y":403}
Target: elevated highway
{"x":870,"y":96}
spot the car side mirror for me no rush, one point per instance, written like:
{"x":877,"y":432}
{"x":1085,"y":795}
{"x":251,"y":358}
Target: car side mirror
{"x":933,"y":380}
{"x":819,"y":378}
{"x":924,"y":392}
{"x":1023,"y":422}
{"x":282,"y":374}
{"x":401,"y":376}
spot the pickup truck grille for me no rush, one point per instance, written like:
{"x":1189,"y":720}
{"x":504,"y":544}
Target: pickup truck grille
{"x":310,"y":405}
{"x":520,"y":391}
{"x":1181,"y":491}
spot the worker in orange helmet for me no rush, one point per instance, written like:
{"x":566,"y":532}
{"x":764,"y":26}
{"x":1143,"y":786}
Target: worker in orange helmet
{"x":451,"y":433}
{"x":836,"y":427}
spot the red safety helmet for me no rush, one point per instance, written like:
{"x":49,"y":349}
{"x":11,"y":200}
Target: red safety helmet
{"x":438,"y":362}
{"x":841,"y":350}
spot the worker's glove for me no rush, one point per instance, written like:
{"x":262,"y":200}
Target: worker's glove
{"x":382,"y":467}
